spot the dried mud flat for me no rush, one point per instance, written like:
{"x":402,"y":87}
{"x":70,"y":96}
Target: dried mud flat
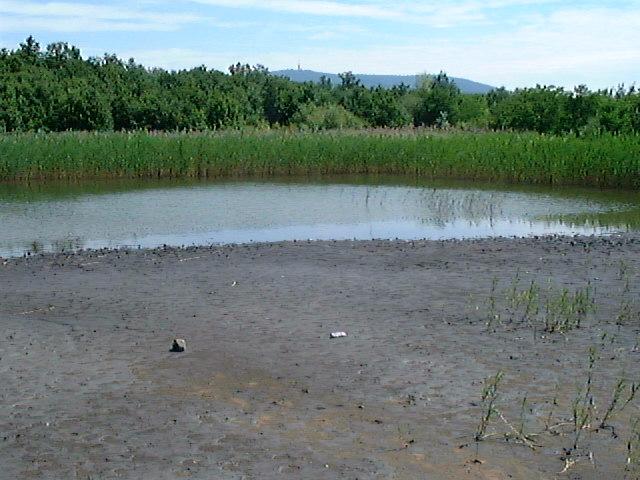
{"x":90,"y":389}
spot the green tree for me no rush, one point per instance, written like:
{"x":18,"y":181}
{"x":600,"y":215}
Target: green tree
{"x":438,"y":101}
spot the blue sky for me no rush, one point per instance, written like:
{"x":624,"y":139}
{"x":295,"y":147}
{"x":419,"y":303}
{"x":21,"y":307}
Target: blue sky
{"x":500,"y":42}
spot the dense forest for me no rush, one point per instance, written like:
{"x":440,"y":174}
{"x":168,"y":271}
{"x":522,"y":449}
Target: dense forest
{"x":55,"y":89}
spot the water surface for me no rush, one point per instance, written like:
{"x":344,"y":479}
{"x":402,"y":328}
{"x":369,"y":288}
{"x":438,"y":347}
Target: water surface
{"x":152,"y":213}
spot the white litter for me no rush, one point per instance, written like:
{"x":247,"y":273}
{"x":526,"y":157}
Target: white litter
{"x":337,"y":335}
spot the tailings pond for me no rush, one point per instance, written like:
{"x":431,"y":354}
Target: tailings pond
{"x":64,"y":217}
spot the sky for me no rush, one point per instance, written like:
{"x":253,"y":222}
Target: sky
{"x":512,"y":43}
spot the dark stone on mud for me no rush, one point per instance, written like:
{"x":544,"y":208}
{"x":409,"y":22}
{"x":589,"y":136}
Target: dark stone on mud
{"x":179,"y":345}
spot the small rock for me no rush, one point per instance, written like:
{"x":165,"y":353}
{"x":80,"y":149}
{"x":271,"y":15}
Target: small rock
{"x":179,"y":345}
{"x":337,"y":335}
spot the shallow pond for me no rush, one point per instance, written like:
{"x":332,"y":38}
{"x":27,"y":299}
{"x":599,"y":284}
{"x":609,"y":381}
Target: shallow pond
{"x":66,"y":217}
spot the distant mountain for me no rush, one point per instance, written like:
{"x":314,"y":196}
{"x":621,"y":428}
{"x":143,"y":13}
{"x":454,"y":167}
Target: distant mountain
{"x":388,"y":81}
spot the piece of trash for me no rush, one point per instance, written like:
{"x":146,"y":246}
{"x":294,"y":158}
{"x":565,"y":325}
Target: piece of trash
{"x":179,"y":345}
{"x":337,"y":335}
{"x":234,"y":284}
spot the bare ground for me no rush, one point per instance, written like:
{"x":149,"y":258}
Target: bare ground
{"x":90,"y":389}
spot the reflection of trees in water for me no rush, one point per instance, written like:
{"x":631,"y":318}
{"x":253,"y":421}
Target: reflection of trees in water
{"x":627,"y":220}
{"x":56,"y":246}
{"x":442,"y":207}
{"x":437,"y":207}
{"x":267,"y":206}
{"x":36,"y":247}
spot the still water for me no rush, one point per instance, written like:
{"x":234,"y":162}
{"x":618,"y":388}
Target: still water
{"x":66,"y":217}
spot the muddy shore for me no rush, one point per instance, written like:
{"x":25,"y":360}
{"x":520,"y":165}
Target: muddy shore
{"x":90,"y":389}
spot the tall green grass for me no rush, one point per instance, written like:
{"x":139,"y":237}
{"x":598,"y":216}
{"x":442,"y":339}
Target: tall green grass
{"x":606,"y":161}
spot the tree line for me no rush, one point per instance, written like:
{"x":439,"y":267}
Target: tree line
{"x":56,"y":89}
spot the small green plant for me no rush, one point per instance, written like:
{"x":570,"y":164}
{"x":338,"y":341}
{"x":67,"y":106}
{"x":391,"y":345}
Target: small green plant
{"x":626,"y":289}
{"x":626,"y":314}
{"x":586,"y":417}
{"x":513,"y":294}
{"x":531,"y":299}
{"x":489,"y":398}
{"x":554,"y":405}
{"x":583,"y":406}
{"x":491,"y":411}
{"x":624,"y":269}
{"x":614,"y":403}
{"x":566,"y":311}
{"x":492,"y":315}
{"x":518,"y":432}
{"x":523,"y":409}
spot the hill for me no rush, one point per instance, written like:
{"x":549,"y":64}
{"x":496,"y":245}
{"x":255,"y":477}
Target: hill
{"x":388,"y":81}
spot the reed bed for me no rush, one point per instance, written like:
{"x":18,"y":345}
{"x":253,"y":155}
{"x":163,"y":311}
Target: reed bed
{"x":604,"y":161}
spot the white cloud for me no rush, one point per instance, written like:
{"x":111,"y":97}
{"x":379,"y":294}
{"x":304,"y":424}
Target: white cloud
{"x":78,"y":17}
{"x":567,"y":47}
{"x":61,"y":16}
{"x":67,"y":25}
{"x":324,"y":36}
{"x":443,"y":13}
{"x":101,"y":12}
{"x":310,"y":7}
